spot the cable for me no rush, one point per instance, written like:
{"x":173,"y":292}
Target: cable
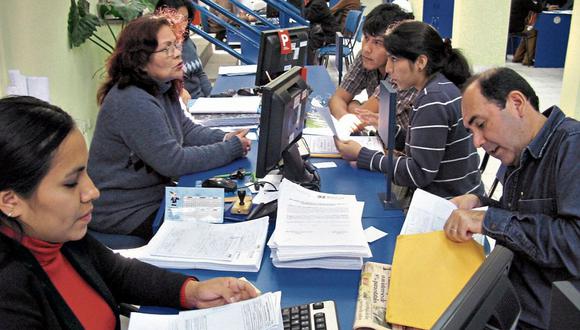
{"x":261,"y":183}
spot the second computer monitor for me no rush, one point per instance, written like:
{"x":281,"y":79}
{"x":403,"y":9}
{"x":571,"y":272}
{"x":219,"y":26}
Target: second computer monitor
{"x":281,"y":122}
{"x":280,"y":50}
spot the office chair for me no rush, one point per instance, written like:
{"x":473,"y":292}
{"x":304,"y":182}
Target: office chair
{"x":352,"y":27}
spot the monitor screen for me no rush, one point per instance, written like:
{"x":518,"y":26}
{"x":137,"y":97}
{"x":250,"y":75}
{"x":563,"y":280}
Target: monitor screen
{"x":280,"y":50}
{"x":488,"y":300}
{"x":281,"y":122}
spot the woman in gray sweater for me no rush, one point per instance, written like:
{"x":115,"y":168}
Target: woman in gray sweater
{"x":142,"y":138}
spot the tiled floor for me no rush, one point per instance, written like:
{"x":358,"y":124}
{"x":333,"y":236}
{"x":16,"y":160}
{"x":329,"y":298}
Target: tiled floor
{"x":546,"y":82}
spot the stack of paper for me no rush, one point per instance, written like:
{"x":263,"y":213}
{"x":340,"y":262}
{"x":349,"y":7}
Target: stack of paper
{"x":261,"y":313}
{"x":237,"y":70}
{"x":196,"y":244}
{"x":227,"y":119}
{"x":242,"y":104}
{"x":193,"y":236}
{"x":317,"y":230}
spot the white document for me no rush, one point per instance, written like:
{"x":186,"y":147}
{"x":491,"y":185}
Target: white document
{"x":372,"y":234}
{"x":196,"y":244}
{"x":237,"y":70}
{"x":18,"y":83}
{"x":260,"y":313}
{"x":38,"y":87}
{"x":325,"y":165}
{"x":324,"y":145}
{"x":427,"y":213}
{"x":317,"y":131}
{"x":241,"y":104}
{"x":144,"y":321}
{"x":341,"y":132}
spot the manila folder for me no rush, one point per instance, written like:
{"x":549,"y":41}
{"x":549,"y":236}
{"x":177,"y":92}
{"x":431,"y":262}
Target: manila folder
{"x":428,"y":272}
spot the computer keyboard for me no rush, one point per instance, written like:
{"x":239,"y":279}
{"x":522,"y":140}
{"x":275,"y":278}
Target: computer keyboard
{"x":313,"y":316}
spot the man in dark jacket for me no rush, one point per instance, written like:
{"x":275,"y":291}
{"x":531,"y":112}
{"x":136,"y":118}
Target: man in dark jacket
{"x":323,"y":27}
{"x":519,"y":13}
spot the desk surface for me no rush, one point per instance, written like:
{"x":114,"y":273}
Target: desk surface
{"x":300,"y":286}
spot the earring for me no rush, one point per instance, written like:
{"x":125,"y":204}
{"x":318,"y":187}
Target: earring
{"x":10,"y":215}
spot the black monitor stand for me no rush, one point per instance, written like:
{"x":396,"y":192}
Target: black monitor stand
{"x":387,"y":128}
{"x":299,"y":170}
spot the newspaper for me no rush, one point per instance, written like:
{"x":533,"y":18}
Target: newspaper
{"x":371,"y":304}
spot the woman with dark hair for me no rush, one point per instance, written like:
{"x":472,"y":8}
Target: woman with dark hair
{"x":439,"y":155}
{"x":195,"y":79}
{"x":53,"y":275}
{"x":142,"y":139}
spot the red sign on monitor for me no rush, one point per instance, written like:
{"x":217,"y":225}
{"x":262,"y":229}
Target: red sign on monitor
{"x":285,"y":42}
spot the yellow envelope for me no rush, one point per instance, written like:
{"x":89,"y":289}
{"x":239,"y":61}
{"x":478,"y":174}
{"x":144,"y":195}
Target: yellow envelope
{"x":428,"y":272}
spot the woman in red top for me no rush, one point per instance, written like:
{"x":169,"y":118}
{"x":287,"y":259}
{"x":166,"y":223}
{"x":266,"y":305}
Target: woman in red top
{"x":53,"y":275}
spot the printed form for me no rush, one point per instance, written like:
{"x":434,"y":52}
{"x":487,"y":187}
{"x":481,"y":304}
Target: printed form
{"x":260,"y":313}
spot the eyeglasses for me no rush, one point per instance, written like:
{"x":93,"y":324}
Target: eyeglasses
{"x":170,"y":50}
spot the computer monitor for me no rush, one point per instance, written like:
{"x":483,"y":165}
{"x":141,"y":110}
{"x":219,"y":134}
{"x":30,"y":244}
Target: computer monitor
{"x":387,"y":130}
{"x":280,"y":50}
{"x":281,"y":122}
{"x":488,"y":300}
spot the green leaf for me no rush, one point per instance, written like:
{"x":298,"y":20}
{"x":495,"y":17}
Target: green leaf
{"x":127,"y":11}
{"x":81,"y":24}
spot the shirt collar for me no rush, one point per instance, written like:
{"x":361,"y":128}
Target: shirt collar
{"x":555,"y":118}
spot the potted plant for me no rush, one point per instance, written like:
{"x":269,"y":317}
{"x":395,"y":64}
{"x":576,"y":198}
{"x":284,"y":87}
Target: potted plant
{"x":82,"y":25}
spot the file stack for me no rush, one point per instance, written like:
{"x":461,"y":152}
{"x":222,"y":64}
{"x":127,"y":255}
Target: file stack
{"x":226,"y":112}
{"x":317,"y":230}
{"x":194,"y":244}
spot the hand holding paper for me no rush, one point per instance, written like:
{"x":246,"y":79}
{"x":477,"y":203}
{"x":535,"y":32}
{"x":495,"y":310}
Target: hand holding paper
{"x":349,"y":149}
{"x":462,"y":224}
{"x":342,"y":131}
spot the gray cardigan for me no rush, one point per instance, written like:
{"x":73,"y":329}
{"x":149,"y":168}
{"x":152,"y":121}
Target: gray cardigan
{"x":140,"y":143}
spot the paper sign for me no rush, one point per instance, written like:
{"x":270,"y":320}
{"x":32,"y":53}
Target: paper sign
{"x":285,"y":42}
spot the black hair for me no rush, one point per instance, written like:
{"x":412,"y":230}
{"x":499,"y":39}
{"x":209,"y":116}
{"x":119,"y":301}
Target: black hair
{"x":135,"y":45}
{"x":497,"y":83}
{"x":410,"y":39}
{"x":31,"y":132}
{"x":176,"y":4}
{"x":383,"y":16}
